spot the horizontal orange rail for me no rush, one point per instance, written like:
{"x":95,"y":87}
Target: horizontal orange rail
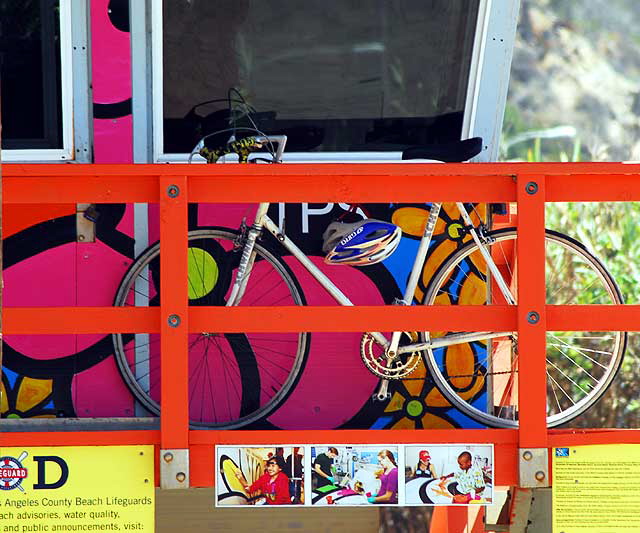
{"x":48,"y":320}
{"x":258,"y":319}
{"x":410,"y":183}
{"x":486,"y":182}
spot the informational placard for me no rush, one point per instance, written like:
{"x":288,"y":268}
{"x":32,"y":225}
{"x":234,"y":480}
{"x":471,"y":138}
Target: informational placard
{"x":337,"y":475}
{"x":595,"y":489}
{"x":92,"y":488}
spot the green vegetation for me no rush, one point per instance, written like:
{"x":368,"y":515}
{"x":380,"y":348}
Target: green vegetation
{"x":610,"y":231}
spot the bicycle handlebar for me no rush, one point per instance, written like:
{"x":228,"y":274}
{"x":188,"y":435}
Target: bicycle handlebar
{"x":243,"y":147}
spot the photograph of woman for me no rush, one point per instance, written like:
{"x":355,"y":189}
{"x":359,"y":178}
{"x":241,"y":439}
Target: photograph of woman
{"x":257,"y":476}
{"x":424,"y":468}
{"x":388,"y":492}
{"x":273,"y":484}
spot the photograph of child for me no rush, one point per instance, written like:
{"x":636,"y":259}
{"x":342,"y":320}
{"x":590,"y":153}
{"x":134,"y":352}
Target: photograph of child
{"x":354,"y":475}
{"x":449,"y":474}
{"x":259,"y":475}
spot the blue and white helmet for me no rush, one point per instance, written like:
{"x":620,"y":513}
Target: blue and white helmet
{"x":361,"y":243}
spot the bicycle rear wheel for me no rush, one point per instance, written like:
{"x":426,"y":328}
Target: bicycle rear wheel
{"x":234,"y":378}
{"x":481,"y":378}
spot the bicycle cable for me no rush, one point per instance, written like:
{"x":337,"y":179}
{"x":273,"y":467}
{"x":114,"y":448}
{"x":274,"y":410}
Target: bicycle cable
{"x":248,"y":110}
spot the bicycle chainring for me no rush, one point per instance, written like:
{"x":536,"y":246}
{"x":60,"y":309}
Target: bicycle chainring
{"x":374,"y":357}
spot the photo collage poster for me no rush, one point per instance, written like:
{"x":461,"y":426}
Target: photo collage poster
{"x":354,"y":475}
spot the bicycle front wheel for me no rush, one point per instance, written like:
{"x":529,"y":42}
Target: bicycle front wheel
{"x":234,"y":378}
{"x":480,"y":378}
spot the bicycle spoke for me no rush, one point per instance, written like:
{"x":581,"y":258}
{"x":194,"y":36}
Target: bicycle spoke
{"x":234,"y":379}
{"x":579,"y":366}
{"x":566,"y":376}
{"x":561,"y":390}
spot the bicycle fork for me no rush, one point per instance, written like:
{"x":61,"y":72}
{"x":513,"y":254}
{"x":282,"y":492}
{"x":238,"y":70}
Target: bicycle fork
{"x":248,"y":257}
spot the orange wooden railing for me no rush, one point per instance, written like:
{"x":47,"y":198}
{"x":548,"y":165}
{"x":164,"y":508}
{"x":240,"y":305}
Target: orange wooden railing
{"x":499,"y":182}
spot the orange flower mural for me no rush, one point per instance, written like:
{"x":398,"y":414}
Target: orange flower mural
{"x":415,"y":402}
{"x":25,"y":397}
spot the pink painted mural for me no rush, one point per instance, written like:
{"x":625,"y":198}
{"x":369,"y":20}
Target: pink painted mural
{"x":111,"y":78}
{"x":327,"y":384}
{"x":79,"y":376}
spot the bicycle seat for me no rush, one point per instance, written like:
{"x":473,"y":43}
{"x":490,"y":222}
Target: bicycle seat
{"x":451,"y":152}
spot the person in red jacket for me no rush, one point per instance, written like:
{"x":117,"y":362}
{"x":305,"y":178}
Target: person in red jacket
{"x":273,"y":484}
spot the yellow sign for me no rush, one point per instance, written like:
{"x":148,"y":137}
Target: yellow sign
{"x":92,"y":488}
{"x":595,"y":489}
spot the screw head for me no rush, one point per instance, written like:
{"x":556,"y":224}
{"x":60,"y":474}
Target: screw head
{"x":533,"y":317}
{"x":173,"y":321}
{"x":531,"y":187}
{"x":168,"y":457}
{"x":527,"y":456}
{"x":540,"y":475}
{"x":180,"y":476}
{"x":173,"y":191}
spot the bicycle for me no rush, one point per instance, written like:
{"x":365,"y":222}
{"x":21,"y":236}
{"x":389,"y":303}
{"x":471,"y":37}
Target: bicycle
{"x":477,"y":372}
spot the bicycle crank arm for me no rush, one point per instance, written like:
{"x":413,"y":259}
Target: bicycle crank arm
{"x":455,"y":338}
{"x":383,"y":393}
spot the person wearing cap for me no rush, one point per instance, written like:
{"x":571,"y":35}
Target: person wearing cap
{"x":424,"y":468}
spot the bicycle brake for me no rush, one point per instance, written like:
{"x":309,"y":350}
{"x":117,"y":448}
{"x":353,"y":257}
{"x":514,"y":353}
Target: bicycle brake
{"x":242,"y":235}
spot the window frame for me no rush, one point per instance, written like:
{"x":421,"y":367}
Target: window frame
{"x":66,"y":153}
{"x":485,"y":101}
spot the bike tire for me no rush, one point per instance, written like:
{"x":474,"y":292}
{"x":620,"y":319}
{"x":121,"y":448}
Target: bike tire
{"x":480,"y":378}
{"x":235,"y":379}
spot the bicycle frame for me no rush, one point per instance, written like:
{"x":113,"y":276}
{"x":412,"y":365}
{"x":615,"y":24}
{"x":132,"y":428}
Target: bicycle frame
{"x":392,"y":350}
{"x":391,"y":347}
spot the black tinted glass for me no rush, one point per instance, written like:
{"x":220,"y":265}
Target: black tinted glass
{"x":30,"y":71}
{"x":344,"y":75}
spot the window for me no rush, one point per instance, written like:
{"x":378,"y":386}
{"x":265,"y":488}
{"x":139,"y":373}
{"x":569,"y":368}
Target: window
{"x":346,"y":76}
{"x":35,"y":70}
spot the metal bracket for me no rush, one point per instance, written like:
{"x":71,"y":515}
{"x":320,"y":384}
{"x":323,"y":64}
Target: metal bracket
{"x":86,"y":216}
{"x":174,"y":469}
{"x":533,"y":467}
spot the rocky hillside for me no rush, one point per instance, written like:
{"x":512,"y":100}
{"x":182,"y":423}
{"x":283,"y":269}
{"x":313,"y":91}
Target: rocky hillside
{"x":576,"y":64}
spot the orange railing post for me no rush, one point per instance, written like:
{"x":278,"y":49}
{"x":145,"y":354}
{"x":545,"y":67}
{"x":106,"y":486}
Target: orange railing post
{"x":533,"y":469}
{"x":174,"y":330}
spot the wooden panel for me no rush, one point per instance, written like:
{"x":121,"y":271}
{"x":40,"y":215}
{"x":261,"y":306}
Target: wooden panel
{"x":192,"y":510}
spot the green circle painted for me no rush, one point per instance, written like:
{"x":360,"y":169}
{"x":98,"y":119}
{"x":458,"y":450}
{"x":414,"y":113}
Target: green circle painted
{"x":454,"y":230}
{"x":414,"y":408}
{"x":203,"y":273}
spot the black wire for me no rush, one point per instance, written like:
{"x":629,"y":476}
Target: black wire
{"x":248,"y":109}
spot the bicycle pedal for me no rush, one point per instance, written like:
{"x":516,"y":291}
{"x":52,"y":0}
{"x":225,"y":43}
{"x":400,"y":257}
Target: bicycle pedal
{"x":377,"y":398}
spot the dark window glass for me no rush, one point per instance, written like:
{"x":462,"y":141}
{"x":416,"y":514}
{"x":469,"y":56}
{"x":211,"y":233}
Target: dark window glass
{"x":30,"y":70}
{"x":345,"y":75}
